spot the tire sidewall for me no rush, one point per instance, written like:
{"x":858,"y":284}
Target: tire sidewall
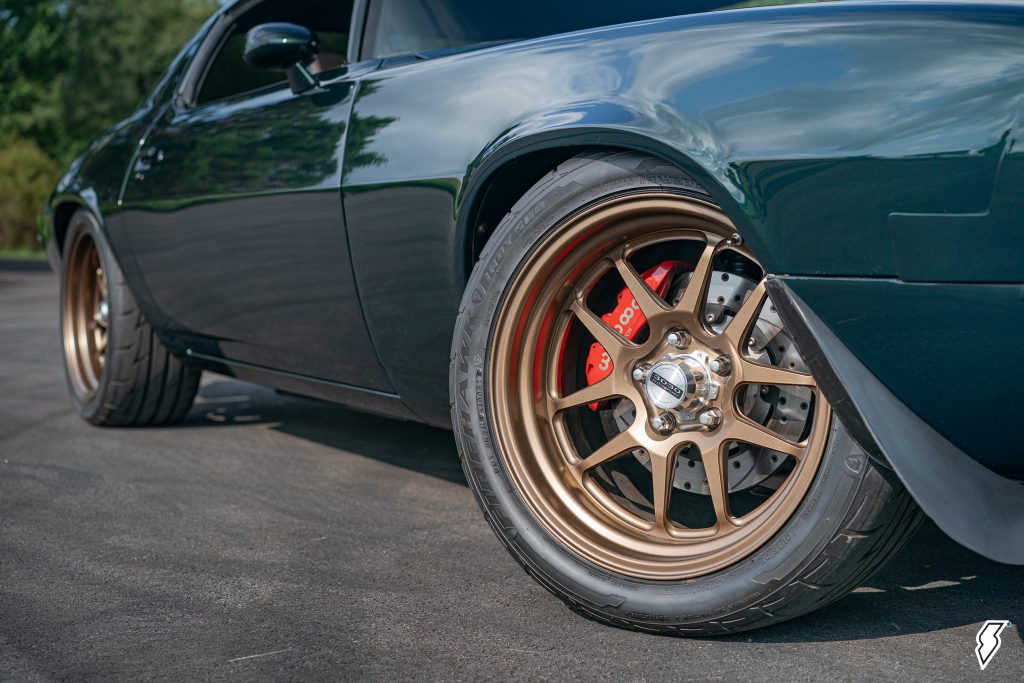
{"x":84,"y":221}
{"x":714,"y":597}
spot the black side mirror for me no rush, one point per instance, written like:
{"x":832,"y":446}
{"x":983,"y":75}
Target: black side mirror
{"x":284,"y":47}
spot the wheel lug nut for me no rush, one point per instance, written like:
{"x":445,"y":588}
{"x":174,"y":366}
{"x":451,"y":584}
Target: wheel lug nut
{"x":711,"y":418}
{"x":663,"y":423}
{"x":640,"y":372}
{"x":721,"y":366}
{"x":678,"y":339}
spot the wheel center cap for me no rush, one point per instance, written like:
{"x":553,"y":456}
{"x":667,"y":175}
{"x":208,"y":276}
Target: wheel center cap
{"x":674,"y":383}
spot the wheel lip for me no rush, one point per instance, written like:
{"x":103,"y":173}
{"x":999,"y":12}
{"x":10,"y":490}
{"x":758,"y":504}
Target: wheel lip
{"x":85,"y":364}
{"x":552,"y":506}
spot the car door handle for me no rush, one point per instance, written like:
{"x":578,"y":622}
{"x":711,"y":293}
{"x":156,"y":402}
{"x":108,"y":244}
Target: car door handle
{"x":151,"y":155}
{"x":147,"y":157}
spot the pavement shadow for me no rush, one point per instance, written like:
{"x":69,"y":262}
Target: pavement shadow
{"x":409,"y":445}
{"x":24,"y":266}
{"x":934,"y":584}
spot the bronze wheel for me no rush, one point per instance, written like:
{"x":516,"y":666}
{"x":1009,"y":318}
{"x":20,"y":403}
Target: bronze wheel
{"x":701,"y":379}
{"x":637,"y":422}
{"x":86,"y":316}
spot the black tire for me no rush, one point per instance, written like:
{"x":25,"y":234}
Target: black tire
{"x":854,"y":518}
{"x":142,"y":383}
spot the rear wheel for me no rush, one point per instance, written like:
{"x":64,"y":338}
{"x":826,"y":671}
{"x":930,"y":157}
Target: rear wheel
{"x":118,"y":372}
{"x":636,"y":422}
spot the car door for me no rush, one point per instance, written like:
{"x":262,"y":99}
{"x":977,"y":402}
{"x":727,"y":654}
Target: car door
{"x":233,"y":211}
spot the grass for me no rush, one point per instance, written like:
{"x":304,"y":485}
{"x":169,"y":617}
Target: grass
{"x":22,"y":254}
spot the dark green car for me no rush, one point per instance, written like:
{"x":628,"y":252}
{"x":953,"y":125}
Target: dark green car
{"x":717,"y":305}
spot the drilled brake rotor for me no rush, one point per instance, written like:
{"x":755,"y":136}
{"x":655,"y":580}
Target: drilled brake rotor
{"x":783,"y":409}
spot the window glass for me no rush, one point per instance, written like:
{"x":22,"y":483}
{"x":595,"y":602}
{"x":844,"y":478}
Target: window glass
{"x":411,"y":26}
{"x":229,"y":75}
{"x":172,"y":76}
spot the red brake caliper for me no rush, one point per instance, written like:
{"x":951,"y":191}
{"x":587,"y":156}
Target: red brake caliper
{"x":627,"y":319}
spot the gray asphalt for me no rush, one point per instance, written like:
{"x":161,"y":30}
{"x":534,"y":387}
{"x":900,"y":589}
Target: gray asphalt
{"x":276,"y":538}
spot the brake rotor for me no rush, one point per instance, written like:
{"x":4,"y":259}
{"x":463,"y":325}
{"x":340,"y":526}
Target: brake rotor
{"x":784,"y":410}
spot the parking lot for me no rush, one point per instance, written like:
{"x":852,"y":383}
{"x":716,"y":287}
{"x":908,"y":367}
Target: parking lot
{"x":272,"y":537}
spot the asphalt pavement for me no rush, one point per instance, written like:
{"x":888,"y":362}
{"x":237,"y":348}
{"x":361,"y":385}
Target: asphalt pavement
{"x":271,"y":537}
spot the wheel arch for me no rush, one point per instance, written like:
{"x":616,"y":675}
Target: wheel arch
{"x":63,"y":204}
{"x":503,"y":174}
{"x":63,"y":210}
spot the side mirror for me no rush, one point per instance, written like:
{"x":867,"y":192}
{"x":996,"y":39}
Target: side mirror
{"x":284,"y":47}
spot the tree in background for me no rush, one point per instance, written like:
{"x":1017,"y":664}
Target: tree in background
{"x":68,"y":69}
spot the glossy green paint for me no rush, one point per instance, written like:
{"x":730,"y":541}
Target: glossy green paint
{"x":986,"y":246}
{"x":945,"y":349}
{"x":238,"y":202}
{"x":810,"y":125}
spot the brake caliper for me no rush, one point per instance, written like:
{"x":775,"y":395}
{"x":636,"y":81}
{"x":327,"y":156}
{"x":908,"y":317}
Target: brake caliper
{"x":627,"y":319}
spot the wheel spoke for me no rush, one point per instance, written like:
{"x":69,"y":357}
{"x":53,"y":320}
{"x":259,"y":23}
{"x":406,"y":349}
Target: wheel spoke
{"x":605,"y":336}
{"x":649,"y":302}
{"x":716,"y":472}
{"x":610,"y":497}
{"x":595,"y":393}
{"x":692,"y":301}
{"x":662,"y":474}
{"x":758,"y":373}
{"x":757,"y":435}
{"x":617,"y":445}
{"x":738,"y":330}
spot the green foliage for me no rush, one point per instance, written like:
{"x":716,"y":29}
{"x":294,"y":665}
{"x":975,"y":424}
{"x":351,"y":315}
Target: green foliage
{"x":26,"y":176}
{"x":69,"y":69}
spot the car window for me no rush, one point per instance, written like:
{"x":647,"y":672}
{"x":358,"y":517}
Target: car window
{"x":228,"y":74}
{"x":396,"y":27}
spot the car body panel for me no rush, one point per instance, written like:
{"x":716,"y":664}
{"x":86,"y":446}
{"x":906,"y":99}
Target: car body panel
{"x":243,"y":206}
{"x":973,"y":504}
{"x":767,"y":108}
{"x":944,"y":348}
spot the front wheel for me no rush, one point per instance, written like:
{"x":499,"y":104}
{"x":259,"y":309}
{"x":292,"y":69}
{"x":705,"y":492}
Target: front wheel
{"x":636,"y":422}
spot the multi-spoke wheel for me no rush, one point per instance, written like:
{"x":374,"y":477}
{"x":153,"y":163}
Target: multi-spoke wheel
{"x":86,"y":315}
{"x":118,"y":372}
{"x":687,"y":381}
{"x":637,"y":421}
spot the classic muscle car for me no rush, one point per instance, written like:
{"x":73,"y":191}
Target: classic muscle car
{"x":718,"y":304}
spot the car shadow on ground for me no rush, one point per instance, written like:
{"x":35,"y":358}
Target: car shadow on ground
{"x":933,"y":584}
{"x":409,"y":445}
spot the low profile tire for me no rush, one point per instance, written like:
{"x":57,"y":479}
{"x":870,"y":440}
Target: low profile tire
{"x":118,"y":372}
{"x":636,"y":424}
